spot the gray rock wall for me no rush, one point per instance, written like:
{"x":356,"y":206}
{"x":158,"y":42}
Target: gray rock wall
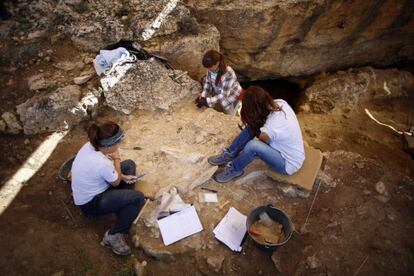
{"x":280,"y":38}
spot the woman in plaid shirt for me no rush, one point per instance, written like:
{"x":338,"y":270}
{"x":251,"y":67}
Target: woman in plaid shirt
{"x":221,"y":85}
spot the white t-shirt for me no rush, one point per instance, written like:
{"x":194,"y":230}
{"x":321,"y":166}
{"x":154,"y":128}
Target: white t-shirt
{"x":91,"y":173}
{"x":285,"y":135}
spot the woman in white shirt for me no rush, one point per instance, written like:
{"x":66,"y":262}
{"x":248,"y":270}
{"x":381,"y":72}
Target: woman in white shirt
{"x":102,"y":184}
{"x":279,"y":143}
{"x":220,"y":85}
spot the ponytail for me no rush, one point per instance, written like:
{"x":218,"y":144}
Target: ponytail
{"x":222,"y":69}
{"x":93,"y":135}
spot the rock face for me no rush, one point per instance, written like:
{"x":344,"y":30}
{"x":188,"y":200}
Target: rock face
{"x":149,"y":85}
{"x":55,"y":111}
{"x":267,"y":39}
{"x":344,"y":90}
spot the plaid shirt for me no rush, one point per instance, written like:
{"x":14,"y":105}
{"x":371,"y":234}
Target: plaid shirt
{"x":229,"y":89}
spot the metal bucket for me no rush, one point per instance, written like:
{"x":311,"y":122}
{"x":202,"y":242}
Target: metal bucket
{"x":277,"y":215}
{"x":65,"y":169}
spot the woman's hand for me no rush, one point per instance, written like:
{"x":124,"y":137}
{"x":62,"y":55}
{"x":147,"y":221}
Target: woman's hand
{"x":197,"y":99}
{"x":129,"y":179}
{"x":202,"y":102}
{"x":114,"y":155}
{"x":264,"y":137}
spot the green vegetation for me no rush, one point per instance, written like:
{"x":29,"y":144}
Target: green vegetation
{"x":50,"y":87}
{"x":82,"y":7}
{"x":129,"y":271}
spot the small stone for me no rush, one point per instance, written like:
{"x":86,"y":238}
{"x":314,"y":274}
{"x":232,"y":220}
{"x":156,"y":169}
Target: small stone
{"x":381,"y":189}
{"x":312,"y":262}
{"x":59,"y":273}
{"x":289,"y":191}
{"x":69,"y":66}
{"x":135,"y":241}
{"x":195,"y":157}
{"x":10,"y":82}
{"x":239,"y":195}
{"x":2,"y":126}
{"x":277,"y":262}
{"x":87,"y":60}
{"x":359,"y":165}
{"x":13,"y":125}
{"x":366,"y":192}
{"x":382,"y":198}
{"x":391,"y":217}
{"x":140,"y":267}
{"x":36,"y":82}
{"x":304,"y":108}
{"x":26,"y":141}
{"x":332,"y":224}
{"x":215,"y":262}
{"x":361,"y":210}
{"x":255,"y":176}
{"x":35,"y":34}
{"x":199,"y":139}
{"x":82,"y":79}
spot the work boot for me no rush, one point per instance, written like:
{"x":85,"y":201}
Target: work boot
{"x":221,"y":159}
{"x":117,"y":243}
{"x":228,"y":174}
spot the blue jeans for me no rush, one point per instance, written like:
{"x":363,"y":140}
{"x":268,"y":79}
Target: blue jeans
{"x":245,"y":149}
{"x":123,"y":200}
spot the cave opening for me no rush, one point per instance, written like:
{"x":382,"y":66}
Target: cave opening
{"x":284,"y":89}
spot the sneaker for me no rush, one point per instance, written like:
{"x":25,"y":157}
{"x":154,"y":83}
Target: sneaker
{"x":221,"y":159}
{"x":227,"y":174}
{"x":117,"y":243}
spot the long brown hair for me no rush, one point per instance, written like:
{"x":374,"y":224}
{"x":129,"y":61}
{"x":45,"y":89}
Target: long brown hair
{"x":257,"y":104}
{"x":97,"y":133}
{"x":211,"y":58}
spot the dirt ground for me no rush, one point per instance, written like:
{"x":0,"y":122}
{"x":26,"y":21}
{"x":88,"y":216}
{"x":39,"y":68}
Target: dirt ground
{"x":349,"y":230}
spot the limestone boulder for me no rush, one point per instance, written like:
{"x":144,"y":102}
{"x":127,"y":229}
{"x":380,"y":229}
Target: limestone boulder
{"x":157,"y":18}
{"x":55,"y":111}
{"x":149,"y":85}
{"x":92,"y":25}
{"x":270,"y":39}
{"x":12,"y":123}
{"x":185,"y":50}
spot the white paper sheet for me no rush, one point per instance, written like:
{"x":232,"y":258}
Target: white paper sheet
{"x":179,"y":225}
{"x":208,"y":197}
{"x":231,"y":229}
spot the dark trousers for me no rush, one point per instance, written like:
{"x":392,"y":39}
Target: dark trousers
{"x":123,"y":200}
